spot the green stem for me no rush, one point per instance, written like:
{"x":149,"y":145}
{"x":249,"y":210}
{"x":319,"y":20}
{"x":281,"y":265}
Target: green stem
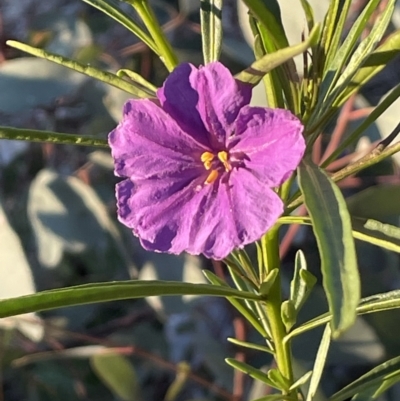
{"x":166,"y":52}
{"x":273,"y":308}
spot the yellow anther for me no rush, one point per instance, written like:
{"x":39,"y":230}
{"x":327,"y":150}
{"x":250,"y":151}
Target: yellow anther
{"x":211,"y":177}
{"x":224,"y":158}
{"x":207,"y":164}
{"x":207,"y":157}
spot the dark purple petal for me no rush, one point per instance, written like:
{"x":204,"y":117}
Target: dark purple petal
{"x":205,"y":102}
{"x":178,"y":215}
{"x":179,"y":98}
{"x":148,"y":143}
{"x":270,"y":141}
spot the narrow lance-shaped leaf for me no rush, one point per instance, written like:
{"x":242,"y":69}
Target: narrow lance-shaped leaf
{"x":303,"y":380}
{"x":102,"y":292}
{"x":332,"y":228}
{"x":93,"y":72}
{"x":377,"y":202}
{"x":259,"y":68}
{"x":239,"y":304}
{"x":137,"y":78}
{"x":269,"y":15}
{"x":319,"y":363}
{"x":117,"y":373}
{"x":367,"y":122}
{"x":375,"y":303}
{"x":110,"y":8}
{"x":211,"y":29}
{"x":255,"y":373}
{"x":276,"y":82}
{"x":366,"y":47}
{"x":375,"y":391}
{"x":274,"y":397}
{"x":328,"y":26}
{"x":309,"y":13}
{"x":374,"y":377}
{"x":358,"y":58}
{"x":341,"y":56}
{"x":31,"y":135}
{"x":336,"y":95}
{"x":372,"y":231}
{"x":374,"y":63}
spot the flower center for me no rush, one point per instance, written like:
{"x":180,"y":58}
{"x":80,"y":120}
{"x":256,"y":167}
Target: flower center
{"x":216,"y":163}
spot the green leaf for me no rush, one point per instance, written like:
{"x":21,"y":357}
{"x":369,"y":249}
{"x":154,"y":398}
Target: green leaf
{"x":309,"y":13}
{"x":102,"y":292}
{"x":350,"y":79}
{"x":377,"y":233}
{"x":334,"y":25}
{"x":239,"y":304}
{"x":376,"y":202}
{"x":117,"y":373}
{"x":111,"y":9}
{"x":375,"y":392}
{"x":274,"y":397}
{"x":256,"y":374}
{"x":135,"y":77}
{"x":374,"y":379}
{"x":319,"y":363}
{"x":302,"y":283}
{"x":303,"y":380}
{"x":16,"y":281}
{"x":269,"y":281}
{"x":278,"y":379}
{"x":245,"y":344}
{"x":367,"y":230}
{"x":288,"y":314}
{"x":374,"y":63}
{"x":88,"y":70}
{"x":211,"y":29}
{"x":332,"y":228}
{"x":50,"y":137}
{"x":375,"y":303}
{"x":360,"y":55}
{"x":259,"y":68}
{"x":372,"y":117}
{"x":268,"y":13}
{"x":276,"y":82}
{"x":181,"y":378}
{"x":335,"y":67}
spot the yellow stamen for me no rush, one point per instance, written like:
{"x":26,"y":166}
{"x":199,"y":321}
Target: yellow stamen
{"x":224,"y":158}
{"x":211,"y":177}
{"x":207,"y":164}
{"x":207,"y":157}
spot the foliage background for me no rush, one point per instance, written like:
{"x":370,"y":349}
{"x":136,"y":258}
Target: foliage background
{"x":58,"y":225}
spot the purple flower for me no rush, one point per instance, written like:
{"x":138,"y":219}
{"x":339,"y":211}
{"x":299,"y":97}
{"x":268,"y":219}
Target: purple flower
{"x":200,"y":163}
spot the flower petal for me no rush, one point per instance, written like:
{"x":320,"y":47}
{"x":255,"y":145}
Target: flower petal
{"x":178,"y":215}
{"x":148,"y":142}
{"x":255,"y":206}
{"x":271,"y":141}
{"x":205,"y":102}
